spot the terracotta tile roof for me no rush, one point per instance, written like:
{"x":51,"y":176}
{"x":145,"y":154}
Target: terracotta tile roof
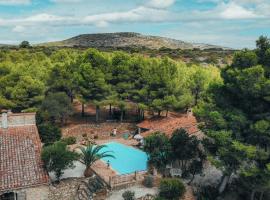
{"x":168,"y":124}
{"x":20,"y":161}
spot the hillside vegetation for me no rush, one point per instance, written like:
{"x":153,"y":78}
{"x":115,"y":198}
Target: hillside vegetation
{"x":150,"y":46}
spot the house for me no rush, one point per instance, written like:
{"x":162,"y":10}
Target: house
{"x":22,"y":176}
{"x":169,"y":124}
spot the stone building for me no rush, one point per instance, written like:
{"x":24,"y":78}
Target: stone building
{"x":22,"y":176}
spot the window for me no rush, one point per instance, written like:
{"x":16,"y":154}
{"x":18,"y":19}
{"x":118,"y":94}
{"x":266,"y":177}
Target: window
{"x":9,"y":196}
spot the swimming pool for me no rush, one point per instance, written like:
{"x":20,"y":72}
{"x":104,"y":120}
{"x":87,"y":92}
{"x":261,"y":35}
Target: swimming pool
{"x":127,"y":159}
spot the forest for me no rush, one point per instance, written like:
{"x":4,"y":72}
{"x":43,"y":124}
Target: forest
{"x":158,"y":84}
{"x":236,"y":118}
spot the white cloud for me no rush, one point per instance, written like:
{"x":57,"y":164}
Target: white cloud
{"x":18,"y":29}
{"x":213,"y":1}
{"x":234,"y":11}
{"x":140,"y":14}
{"x":66,"y":1}
{"x":14,"y":2}
{"x":44,"y":17}
{"x":160,"y":3}
{"x":102,"y":24}
{"x":215,"y":33}
{"x":249,"y":1}
{"x":144,"y":13}
{"x":39,"y":19}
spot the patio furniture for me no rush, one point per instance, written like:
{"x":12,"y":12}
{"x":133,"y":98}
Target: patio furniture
{"x":126,"y":136}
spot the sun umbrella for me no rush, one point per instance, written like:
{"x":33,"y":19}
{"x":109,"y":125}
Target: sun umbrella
{"x":138,"y":137}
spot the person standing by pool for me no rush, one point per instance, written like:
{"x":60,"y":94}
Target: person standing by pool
{"x":108,"y":164}
{"x":114,"y":131}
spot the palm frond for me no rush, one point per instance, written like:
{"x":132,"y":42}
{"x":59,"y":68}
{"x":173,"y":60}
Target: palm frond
{"x":93,"y":153}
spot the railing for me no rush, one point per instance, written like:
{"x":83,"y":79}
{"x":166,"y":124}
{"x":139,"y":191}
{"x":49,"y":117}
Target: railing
{"x":126,"y":179}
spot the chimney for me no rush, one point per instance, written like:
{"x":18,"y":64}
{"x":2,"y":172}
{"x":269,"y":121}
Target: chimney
{"x":4,"y":119}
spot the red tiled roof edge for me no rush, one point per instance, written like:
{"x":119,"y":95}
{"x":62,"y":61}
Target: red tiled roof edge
{"x":25,"y":169}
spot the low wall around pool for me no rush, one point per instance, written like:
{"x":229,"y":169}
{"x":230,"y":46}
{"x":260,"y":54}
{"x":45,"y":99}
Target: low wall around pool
{"x":120,"y":181}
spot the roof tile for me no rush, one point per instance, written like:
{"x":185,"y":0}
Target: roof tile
{"x":20,"y":161}
{"x":167,"y":125}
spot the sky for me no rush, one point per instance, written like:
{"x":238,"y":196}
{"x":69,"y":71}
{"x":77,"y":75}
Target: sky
{"x":230,"y":23}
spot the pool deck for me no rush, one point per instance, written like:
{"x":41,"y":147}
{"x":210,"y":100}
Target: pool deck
{"x":103,"y":171}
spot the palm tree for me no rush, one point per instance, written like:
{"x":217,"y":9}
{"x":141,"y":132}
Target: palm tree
{"x":91,"y":154}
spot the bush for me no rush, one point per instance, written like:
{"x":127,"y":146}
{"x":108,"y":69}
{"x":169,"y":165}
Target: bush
{"x":171,"y":189}
{"x":128,"y":195}
{"x":148,"y":181}
{"x":49,"y":133}
{"x":69,"y":140}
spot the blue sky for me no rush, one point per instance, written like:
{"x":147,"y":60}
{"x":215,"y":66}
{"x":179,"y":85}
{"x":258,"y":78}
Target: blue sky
{"x":231,"y":23}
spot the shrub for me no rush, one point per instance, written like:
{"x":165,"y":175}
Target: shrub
{"x":148,"y":181}
{"x":128,"y":195}
{"x":69,"y":140}
{"x":171,"y":189}
{"x":49,"y":133}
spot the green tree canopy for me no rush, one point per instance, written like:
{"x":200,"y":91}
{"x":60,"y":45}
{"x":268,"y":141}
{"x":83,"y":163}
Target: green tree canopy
{"x":25,"y":44}
{"x":56,"y":107}
{"x":236,"y":116}
{"x":157,"y":146}
{"x":49,"y":133}
{"x":57,"y":158}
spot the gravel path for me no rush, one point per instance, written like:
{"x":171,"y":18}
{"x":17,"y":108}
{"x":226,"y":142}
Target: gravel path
{"x":139,"y":190}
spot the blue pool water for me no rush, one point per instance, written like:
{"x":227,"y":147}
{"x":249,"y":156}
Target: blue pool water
{"x":127,"y":159}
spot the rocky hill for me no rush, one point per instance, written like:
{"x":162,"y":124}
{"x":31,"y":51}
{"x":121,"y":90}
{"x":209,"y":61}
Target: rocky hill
{"x":5,"y":45}
{"x":127,"y":39}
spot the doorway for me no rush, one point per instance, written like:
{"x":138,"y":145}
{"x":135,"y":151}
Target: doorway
{"x":9,"y":196}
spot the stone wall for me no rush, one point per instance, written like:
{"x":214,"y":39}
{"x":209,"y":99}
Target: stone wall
{"x":33,"y":193}
{"x":20,"y":119}
{"x":40,"y":193}
{"x":65,"y":190}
